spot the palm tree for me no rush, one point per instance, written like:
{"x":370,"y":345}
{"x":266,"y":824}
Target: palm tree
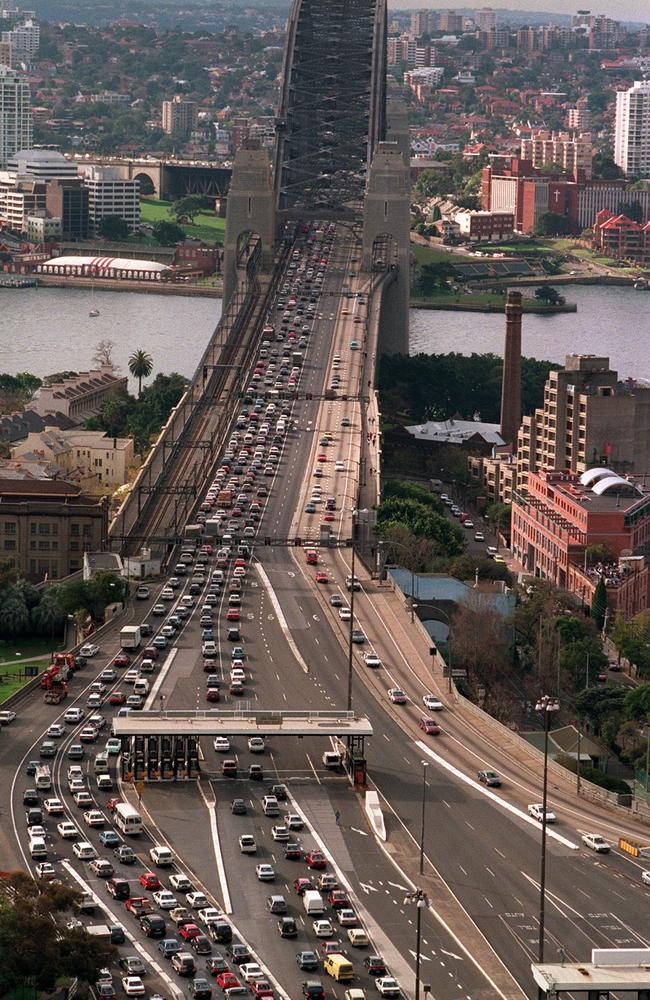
{"x":14,"y":616}
{"x":140,"y":366}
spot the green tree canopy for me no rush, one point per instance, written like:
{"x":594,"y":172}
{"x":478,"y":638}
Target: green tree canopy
{"x":599,"y":604}
{"x":113,"y":227}
{"x":140,"y":366}
{"x":552,"y":224}
{"x":167,"y":233}
{"x":637,"y":703}
{"x":189,"y":206}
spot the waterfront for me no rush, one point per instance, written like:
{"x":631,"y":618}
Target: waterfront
{"x":610,"y":321}
{"x":44,"y":330}
{"x":48,"y":329}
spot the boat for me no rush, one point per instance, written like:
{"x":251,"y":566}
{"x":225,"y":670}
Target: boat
{"x":93,"y":313}
{"x":641,"y":284}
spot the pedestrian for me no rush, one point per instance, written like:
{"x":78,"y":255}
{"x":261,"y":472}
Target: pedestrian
{"x":337,"y":817}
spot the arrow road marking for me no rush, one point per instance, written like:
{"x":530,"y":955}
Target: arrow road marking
{"x":368,"y":888}
{"x":451,"y":954}
{"x":396,"y":885}
{"x":425,"y":958}
{"x":362,"y":832}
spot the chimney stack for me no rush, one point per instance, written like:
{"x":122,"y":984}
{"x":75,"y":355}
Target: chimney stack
{"x":511,"y":384}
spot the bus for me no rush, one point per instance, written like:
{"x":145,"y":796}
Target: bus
{"x":128,"y":819}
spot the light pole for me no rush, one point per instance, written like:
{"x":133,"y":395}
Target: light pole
{"x":425,"y":765}
{"x":547,"y":705}
{"x":435,"y":607}
{"x":421,"y":900}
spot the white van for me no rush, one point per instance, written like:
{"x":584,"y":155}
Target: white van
{"x":270,"y":805}
{"x":313,"y":902}
{"x":141,"y":686}
{"x":38,"y":848}
{"x":101,"y":764}
{"x":104,"y":782}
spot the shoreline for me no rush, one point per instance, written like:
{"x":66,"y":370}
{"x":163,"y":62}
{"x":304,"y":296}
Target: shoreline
{"x":467,"y":305}
{"x":148,"y":287}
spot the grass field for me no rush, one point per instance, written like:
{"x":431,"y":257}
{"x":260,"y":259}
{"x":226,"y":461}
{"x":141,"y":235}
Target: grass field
{"x":26,"y":648}
{"x":10,"y":681}
{"x":431,"y":255}
{"x":207,"y":227}
{"x":479,"y":301}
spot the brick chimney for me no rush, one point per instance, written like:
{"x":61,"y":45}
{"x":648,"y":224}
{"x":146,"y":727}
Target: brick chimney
{"x":511,"y":384}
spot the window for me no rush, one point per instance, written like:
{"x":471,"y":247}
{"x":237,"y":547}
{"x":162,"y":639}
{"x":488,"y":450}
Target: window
{"x":10,"y":527}
{"x":74,"y":529}
{"x":43,"y":529}
{"x":87,"y":530}
{"x":74,"y":546}
{"x":43,"y":546}
{"x":32,"y":528}
{"x":10,"y":544}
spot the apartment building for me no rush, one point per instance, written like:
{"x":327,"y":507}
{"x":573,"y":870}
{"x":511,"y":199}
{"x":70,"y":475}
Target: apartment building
{"x":178,"y":116}
{"x":632,"y":129}
{"x":621,"y":237}
{"x":567,"y":150}
{"x":96,"y":460}
{"x":47,"y":525}
{"x":111,"y":194}
{"x":15,"y":114}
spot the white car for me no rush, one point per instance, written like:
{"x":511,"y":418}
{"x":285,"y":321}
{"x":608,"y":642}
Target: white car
{"x":83,"y":798}
{"x":371,"y":660}
{"x":251,"y":972}
{"x":247,"y":844}
{"x":645,"y":878}
{"x":279,"y":833}
{"x":197,"y":899}
{"x":6,"y":717}
{"x":94,"y":817}
{"x":388,"y":987}
{"x":133,"y":986}
{"x":265,"y":873}
{"x":339,"y":466}
{"x":88,"y":650}
{"x":596,"y":843}
{"x":45,"y":870}
{"x":74,"y":715}
{"x":536,"y":810}
{"x":323,"y":928}
{"x":84,"y":851}
{"x":256,"y":744}
{"x":209,"y":915}
{"x":55,"y":731}
{"x":221,"y":744}
{"x":345,"y":614}
{"x":67,"y":830}
{"x":161,"y":856}
{"x":432,"y":703}
{"x":166,"y":900}
{"x":180,"y":882}
{"x":54,"y":807}
{"x":293,"y":821}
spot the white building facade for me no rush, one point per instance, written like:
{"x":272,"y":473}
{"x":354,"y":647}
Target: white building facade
{"x":632,"y":135}
{"x":16,"y":127}
{"x":110,"y":194}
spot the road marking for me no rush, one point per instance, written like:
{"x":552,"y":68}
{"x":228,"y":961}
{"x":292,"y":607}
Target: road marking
{"x":362,"y":832}
{"x":396,"y":885}
{"x":495,"y":798}
{"x":451,"y":954}
{"x":368,"y":888}
{"x":423,"y":958}
{"x":216,"y":844}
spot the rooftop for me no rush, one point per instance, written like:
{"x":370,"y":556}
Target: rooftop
{"x":599,"y":490}
{"x":456,"y":431}
{"x":246,"y":723}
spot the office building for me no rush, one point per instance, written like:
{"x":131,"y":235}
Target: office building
{"x":42,"y":228}
{"x":632,"y":131}
{"x":47,"y":525}
{"x":42,"y":164}
{"x":15,"y":114}
{"x":67,"y":199}
{"x":568,"y":151}
{"x":20,"y":198}
{"x":478,"y":226}
{"x":111,"y":194}
{"x":485,"y":19}
{"x":420,"y":23}
{"x":178,"y":116}
{"x":6,"y":54}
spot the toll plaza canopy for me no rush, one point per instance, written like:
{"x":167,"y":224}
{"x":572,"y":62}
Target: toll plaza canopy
{"x":241,"y":723}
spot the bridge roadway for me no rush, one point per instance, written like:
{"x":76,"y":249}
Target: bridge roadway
{"x":485,"y":856}
{"x":488,"y":857}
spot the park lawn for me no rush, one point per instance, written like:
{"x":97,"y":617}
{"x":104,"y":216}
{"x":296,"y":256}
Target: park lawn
{"x":207,"y":227}
{"x":432,"y":255}
{"x":10,"y":681}
{"x":26,"y":648}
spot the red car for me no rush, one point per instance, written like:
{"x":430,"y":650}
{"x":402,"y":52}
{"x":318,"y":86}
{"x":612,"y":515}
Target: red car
{"x":113,"y":803}
{"x":189,"y":931}
{"x":138,"y":905}
{"x":122,"y":660}
{"x":321,"y":577}
{"x":301,"y":885}
{"x":333,"y":948}
{"x":262,"y":988}
{"x":212,"y":694}
{"x":240,"y":561}
{"x":117,"y":698}
{"x":328,"y":517}
{"x":316,"y":859}
{"x":338,"y":899}
{"x":321,"y":458}
{"x":149,"y":880}
{"x":227,"y":980}
{"x":429,"y":726}
{"x":232,"y":615}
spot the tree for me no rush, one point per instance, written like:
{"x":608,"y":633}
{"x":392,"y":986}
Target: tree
{"x":103,"y":355}
{"x":113,"y":227}
{"x":14,"y":616}
{"x":600,"y":704}
{"x":431,"y":184}
{"x":167,"y":233}
{"x":552,"y":224}
{"x":140,"y":366}
{"x":604,"y":167}
{"x":479,"y":640}
{"x":637,"y":703}
{"x":189,"y":206}
{"x":599,"y":604}
{"x":548,"y":294}
{"x":46,"y":617}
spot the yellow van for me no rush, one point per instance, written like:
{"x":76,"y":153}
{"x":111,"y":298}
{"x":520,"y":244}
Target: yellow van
{"x":339,"y":968}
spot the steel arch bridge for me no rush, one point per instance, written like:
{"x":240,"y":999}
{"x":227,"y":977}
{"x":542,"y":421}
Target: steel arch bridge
{"x":333,"y":107}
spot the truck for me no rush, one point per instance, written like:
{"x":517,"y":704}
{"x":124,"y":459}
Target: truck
{"x":56,"y":694}
{"x":224,"y":498}
{"x":100,"y":932}
{"x":130,"y":637}
{"x":296,"y":358}
{"x":192,"y":534}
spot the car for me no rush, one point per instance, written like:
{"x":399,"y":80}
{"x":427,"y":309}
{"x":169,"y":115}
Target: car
{"x":429,"y":726}
{"x":108,"y":838}
{"x":375,"y":965}
{"x":247,"y":844}
{"x":238,"y":807}
{"x":133,"y":965}
{"x":139,"y":906}
{"x":200,"y":988}
{"x":149,"y":880}
{"x":490,"y":778}
{"x":84,"y":851}
{"x":83,"y":799}
{"x":125,"y":854}
{"x":265,"y":872}
{"x":338,"y":899}
{"x":216,"y":964}
{"x":323,"y":928}
{"x":74,"y":715}
{"x":292,"y":852}
{"x":239,"y":953}
{"x":161,"y":856}
{"x":169,"y":947}
{"x":645,"y":877}
{"x":308,"y":961}
{"x":388,"y":987}
{"x":432,"y":703}
{"x":116,"y":698}
{"x":105,"y":991}
{"x":371,"y":660}
{"x":595,"y":842}
{"x":322,"y":577}
{"x":55,"y":731}
{"x":287,"y":927}
{"x":397,"y":696}
{"x":113,"y":746}
{"x":358,"y":636}
{"x":347,"y":917}
{"x":358,"y":937}
{"x":189,"y":931}
{"x":293,"y":821}
{"x":201,"y":945}
{"x":262,"y":988}
{"x":227,"y":980}
{"x":180,"y":915}
{"x":30,"y":798}
{"x":336,"y":601}
{"x":209,"y":914}
{"x":197,"y":900}
{"x":313,"y":990}
{"x":180,"y":882}
{"x":66,"y":830}
{"x":183,"y":963}
{"x":256,"y":744}
{"x":165,"y":899}
{"x":536,"y":810}
{"x":499,"y":560}
{"x":316,"y":860}
{"x":250,"y":971}
{"x":133,"y":986}
{"x":94,"y":817}
{"x":221,"y":744}
{"x":279,"y":833}
{"x":89,"y":649}
{"x":479,"y":536}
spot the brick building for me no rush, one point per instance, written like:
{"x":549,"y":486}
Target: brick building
{"x":47,"y":525}
{"x":618,"y":236}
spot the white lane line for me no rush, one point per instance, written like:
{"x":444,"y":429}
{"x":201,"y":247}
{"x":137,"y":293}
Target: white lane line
{"x":282,"y":621}
{"x":164,"y":670}
{"x":102,"y":903}
{"x":216,"y":844}
{"x":495,"y":798}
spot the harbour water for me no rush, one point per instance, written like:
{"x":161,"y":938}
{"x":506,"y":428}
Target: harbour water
{"x":48,"y":329}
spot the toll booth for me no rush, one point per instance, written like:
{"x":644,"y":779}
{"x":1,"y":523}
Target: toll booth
{"x":160,"y":758}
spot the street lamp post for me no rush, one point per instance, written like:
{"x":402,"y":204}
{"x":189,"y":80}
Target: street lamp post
{"x":421,"y":900}
{"x":434,"y":607}
{"x":425,"y":765}
{"x":547,"y":705}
